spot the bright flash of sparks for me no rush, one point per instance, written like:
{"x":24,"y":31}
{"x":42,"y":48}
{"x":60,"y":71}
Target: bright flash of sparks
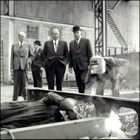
{"x":113,"y":122}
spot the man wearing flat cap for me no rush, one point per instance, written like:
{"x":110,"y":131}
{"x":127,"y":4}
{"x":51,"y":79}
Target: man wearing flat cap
{"x":37,"y":64}
{"x":79,"y":58}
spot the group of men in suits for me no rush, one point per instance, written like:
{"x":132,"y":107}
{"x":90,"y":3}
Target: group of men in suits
{"x":54,"y":57}
{"x":57,"y":56}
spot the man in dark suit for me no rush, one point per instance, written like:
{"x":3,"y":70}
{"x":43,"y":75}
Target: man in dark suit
{"x":56,"y":57}
{"x":20,"y":54}
{"x":80,"y":54}
{"x":37,"y":64}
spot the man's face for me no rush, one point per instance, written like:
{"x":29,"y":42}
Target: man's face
{"x":77,"y":34}
{"x":55,"y":34}
{"x":36,"y":46}
{"x":21,"y":37}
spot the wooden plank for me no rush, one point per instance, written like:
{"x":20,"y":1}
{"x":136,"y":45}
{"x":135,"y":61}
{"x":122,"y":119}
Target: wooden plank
{"x":64,"y":130}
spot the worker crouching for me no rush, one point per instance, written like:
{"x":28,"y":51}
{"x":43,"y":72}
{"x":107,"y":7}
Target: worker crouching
{"x":106,"y":68}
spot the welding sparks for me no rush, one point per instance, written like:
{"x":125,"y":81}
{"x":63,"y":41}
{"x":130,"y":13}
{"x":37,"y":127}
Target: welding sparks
{"x":113,"y":122}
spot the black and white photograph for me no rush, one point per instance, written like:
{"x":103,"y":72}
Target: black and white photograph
{"x":69,"y":69}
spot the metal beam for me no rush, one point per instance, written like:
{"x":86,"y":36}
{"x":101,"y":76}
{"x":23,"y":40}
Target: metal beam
{"x":104,"y":29}
{"x":63,"y":130}
{"x":99,"y":11}
{"x":103,"y":104}
{"x":76,"y":129}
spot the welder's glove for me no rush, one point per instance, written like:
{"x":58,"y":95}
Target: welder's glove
{"x":71,"y":107}
{"x":53,"y":98}
{"x":67,"y":104}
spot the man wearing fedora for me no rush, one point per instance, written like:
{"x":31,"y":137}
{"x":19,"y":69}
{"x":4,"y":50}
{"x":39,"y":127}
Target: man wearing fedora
{"x":79,"y":57}
{"x":56,"y":58}
{"x":37,"y":64}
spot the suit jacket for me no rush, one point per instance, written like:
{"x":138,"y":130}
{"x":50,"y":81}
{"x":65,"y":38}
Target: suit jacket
{"x":20,"y":56}
{"x":80,"y":54}
{"x":51,"y":56}
{"x":37,"y":60}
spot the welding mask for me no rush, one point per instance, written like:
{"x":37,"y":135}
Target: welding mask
{"x":97,"y":65}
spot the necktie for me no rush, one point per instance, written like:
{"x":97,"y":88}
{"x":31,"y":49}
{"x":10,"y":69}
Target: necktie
{"x":20,"y":45}
{"x":35,"y":51}
{"x":77,"y":41}
{"x":21,"y":54}
{"x":55,"y":46}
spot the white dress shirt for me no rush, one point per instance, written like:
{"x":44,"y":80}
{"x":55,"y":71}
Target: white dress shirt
{"x":36,"y":50}
{"x":21,"y":43}
{"x":78,"y":40}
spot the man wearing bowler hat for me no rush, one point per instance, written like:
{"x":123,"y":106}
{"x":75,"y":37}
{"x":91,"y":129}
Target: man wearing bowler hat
{"x":79,"y":58}
{"x":37,"y":64}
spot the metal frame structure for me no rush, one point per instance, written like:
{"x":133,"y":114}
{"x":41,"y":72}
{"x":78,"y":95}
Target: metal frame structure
{"x":100,"y":27}
{"x":115,"y":5}
{"x":102,"y":15}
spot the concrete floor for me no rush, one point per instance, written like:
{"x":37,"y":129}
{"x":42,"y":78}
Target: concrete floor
{"x":7,"y":92}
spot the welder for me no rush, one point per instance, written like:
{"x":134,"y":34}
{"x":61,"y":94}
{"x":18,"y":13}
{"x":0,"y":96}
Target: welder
{"x":107,"y":68}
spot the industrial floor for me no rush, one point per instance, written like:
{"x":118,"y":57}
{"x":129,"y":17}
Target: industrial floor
{"x":7,"y":91}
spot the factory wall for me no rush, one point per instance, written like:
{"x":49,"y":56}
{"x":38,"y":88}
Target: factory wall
{"x":62,"y":11}
{"x":4,"y":49}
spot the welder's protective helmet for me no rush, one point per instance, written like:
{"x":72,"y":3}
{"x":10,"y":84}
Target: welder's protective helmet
{"x":97,"y":65}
